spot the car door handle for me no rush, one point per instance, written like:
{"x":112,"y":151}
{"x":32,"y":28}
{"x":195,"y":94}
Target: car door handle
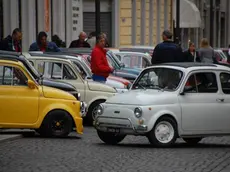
{"x":220,"y":100}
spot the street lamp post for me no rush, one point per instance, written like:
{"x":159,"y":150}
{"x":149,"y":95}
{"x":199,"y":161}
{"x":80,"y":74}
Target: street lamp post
{"x":211,"y":22}
{"x":97,"y":17}
{"x":178,"y":37}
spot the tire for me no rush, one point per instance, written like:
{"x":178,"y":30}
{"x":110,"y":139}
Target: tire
{"x":110,"y":138}
{"x":57,"y":123}
{"x":90,"y":117}
{"x":192,"y":141}
{"x":165,"y":123}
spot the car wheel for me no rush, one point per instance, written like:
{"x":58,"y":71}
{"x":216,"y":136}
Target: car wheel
{"x":57,"y":123}
{"x":164,"y":133}
{"x":110,"y":138}
{"x":192,"y":141}
{"x":92,"y":112}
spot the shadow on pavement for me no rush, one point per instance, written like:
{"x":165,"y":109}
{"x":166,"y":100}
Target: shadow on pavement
{"x":176,"y":146}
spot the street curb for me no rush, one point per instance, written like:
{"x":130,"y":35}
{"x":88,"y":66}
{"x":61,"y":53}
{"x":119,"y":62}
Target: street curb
{"x":10,"y":138}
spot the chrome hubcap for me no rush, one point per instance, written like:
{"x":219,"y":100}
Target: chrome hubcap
{"x":164,"y":132}
{"x":94,"y":113}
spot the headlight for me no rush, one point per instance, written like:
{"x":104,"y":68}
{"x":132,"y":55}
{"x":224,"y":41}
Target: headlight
{"x":138,"y":112}
{"x":100,"y":109}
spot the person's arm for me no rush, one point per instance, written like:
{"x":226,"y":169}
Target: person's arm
{"x":154,"y":59}
{"x":33,"y":47}
{"x":56,"y":48}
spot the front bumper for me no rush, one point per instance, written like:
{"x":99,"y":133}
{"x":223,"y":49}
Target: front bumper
{"x":79,"y":125}
{"x":83,"y":109}
{"x":124,"y":125}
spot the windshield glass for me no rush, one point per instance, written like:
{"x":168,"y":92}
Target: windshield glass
{"x":113,"y":59}
{"x":159,"y":78}
{"x":31,"y":69}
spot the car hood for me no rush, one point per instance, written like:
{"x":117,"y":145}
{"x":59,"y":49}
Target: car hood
{"x":97,"y":86}
{"x":114,"y":83}
{"x":144,"y":97}
{"x":59,"y":85}
{"x":54,"y":93}
{"x":122,"y":80}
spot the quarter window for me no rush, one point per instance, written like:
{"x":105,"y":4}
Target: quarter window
{"x":225,"y":82}
{"x":201,"y":83}
{"x":12,"y":76}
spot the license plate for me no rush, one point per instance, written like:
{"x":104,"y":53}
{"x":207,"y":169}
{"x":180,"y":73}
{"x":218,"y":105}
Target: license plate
{"x":113,"y":130}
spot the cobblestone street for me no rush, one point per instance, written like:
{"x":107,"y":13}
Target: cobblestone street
{"x":88,"y":153}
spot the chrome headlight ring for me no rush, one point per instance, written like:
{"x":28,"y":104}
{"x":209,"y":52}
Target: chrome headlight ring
{"x":100,"y":109}
{"x":138,"y":112}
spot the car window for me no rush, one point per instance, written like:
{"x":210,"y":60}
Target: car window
{"x":159,"y":78}
{"x":55,"y":70}
{"x":225,"y":82}
{"x":80,"y":69}
{"x":12,"y":76}
{"x":204,"y":82}
{"x":118,"y":56}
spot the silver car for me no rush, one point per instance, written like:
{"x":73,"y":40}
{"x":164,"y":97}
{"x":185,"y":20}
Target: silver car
{"x":169,"y":101}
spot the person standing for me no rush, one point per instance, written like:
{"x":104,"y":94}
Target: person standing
{"x":81,"y":42}
{"x":167,"y":51}
{"x":190,"y":55}
{"x":206,"y":52}
{"x":12,"y":42}
{"x":99,"y":64}
{"x":43,"y":45}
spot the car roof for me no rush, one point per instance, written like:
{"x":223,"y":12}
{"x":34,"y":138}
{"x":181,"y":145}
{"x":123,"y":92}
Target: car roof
{"x":131,"y":52}
{"x":193,"y":66}
{"x":138,"y":46}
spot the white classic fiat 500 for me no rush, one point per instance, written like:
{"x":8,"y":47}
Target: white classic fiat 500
{"x":168,"y":101}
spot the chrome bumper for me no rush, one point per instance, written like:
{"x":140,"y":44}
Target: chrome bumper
{"x":125,"y":127}
{"x":83,"y":109}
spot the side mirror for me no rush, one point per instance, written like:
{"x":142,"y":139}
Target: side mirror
{"x":31,"y":84}
{"x":122,"y":64}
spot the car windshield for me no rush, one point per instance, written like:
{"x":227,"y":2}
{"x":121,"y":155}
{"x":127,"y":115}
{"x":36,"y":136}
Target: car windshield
{"x":132,"y":61}
{"x":113,"y":60}
{"x":159,"y":78}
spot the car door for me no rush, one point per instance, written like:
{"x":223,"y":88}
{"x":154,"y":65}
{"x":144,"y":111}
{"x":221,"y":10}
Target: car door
{"x":224,"y":101}
{"x":199,"y":103}
{"x":19,"y":103}
{"x":61,"y":71}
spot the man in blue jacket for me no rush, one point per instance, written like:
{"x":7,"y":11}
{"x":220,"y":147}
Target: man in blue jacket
{"x":43,"y":45}
{"x":167,"y":51}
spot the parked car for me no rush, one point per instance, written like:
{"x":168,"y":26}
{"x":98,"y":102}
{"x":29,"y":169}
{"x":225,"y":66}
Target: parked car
{"x":134,"y":59}
{"x":169,"y":101}
{"x":44,"y":81}
{"x":117,"y":82}
{"x":138,"y":48}
{"x":220,"y":56}
{"x":59,"y":67}
{"x":27,"y":104}
{"x":120,"y":70}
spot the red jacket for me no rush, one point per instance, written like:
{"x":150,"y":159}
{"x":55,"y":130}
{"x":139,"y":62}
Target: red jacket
{"x":99,"y":63}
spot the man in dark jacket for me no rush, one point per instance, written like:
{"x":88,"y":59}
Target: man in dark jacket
{"x":80,"y":42}
{"x":43,"y":45}
{"x":99,"y":64}
{"x":12,"y":42}
{"x":167,"y":51}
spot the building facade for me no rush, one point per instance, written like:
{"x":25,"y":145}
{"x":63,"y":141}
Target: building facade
{"x":195,"y":21}
{"x":126,"y":22}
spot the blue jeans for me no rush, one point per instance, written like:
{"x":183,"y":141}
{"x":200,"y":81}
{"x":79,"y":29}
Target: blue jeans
{"x":98,"y":78}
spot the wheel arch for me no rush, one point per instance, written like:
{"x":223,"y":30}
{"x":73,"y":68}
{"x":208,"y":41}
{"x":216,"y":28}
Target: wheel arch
{"x":161,"y":115}
{"x":46,"y":111}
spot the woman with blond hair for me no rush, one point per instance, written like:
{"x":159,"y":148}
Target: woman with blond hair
{"x":206,"y":52}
